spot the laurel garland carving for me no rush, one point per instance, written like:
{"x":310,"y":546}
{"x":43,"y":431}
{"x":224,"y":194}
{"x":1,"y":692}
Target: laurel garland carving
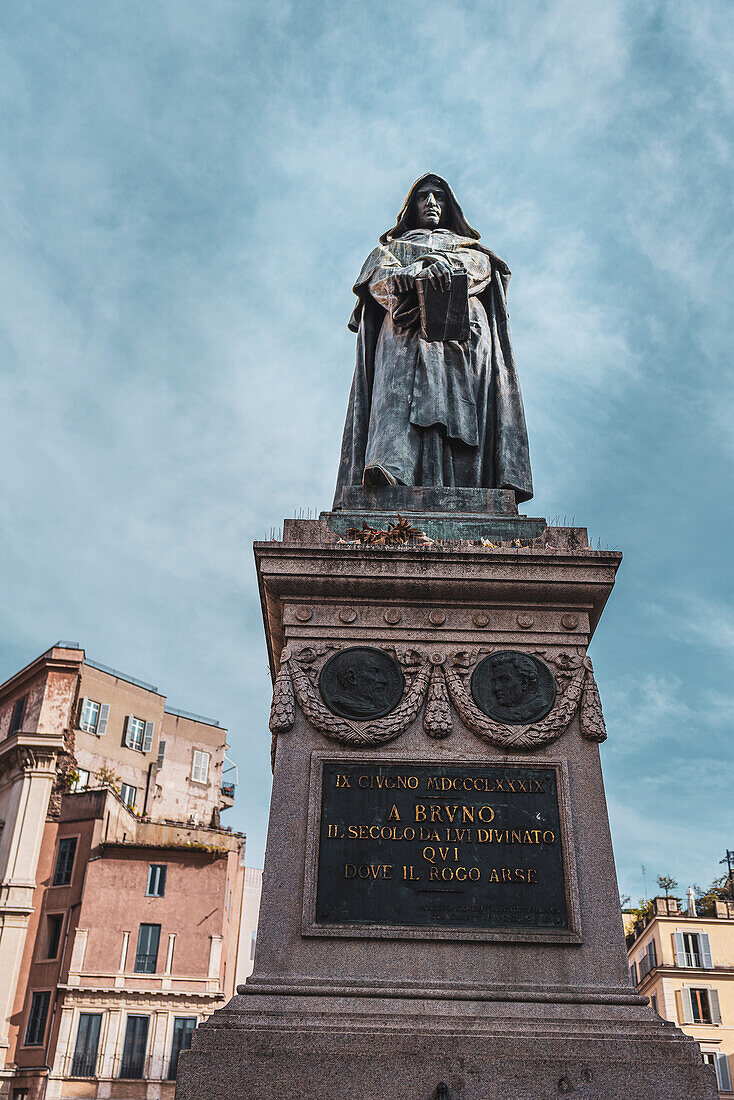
{"x":510,"y":736}
{"x":593,"y":727}
{"x":434,"y":681}
{"x":437,"y":715}
{"x":376,"y":732}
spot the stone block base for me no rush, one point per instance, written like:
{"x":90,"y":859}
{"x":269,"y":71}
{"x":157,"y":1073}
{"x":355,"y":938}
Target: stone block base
{"x":404,"y":498}
{"x":275,"y":1048}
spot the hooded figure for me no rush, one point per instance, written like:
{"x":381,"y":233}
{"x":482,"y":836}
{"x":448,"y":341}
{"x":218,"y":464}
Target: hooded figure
{"x":433,"y":412}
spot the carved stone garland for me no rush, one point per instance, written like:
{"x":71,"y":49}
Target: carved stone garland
{"x":435,"y":682}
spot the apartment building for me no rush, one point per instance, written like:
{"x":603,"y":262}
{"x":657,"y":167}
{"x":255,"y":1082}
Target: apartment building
{"x":120,"y":893}
{"x":684,"y":962}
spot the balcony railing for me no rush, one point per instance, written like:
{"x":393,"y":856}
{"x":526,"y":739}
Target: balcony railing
{"x":146,"y":964}
{"x":83,"y":1065}
{"x":228,"y":790}
{"x":132,"y":1067}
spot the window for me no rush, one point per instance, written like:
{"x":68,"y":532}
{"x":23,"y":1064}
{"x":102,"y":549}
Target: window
{"x":16,"y":719}
{"x":700,"y":1005}
{"x":81,"y":781}
{"x":84,"y":1062}
{"x":89,"y":715}
{"x":54,"y":925}
{"x":146,"y":957}
{"x":648,"y":960}
{"x":20,"y":1094}
{"x":133,"y":1051}
{"x":654,"y":1002}
{"x":138,"y":734}
{"x":156,"y":887}
{"x":36,"y":1029}
{"x":693,"y":949}
{"x":720,"y":1062}
{"x":633,"y":974}
{"x":94,"y":716}
{"x":128,"y":795}
{"x":253,"y":941}
{"x":161,"y":753}
{"x":183,"y":1029}
{"x":200,"y":769}
{"x":65,"y":861}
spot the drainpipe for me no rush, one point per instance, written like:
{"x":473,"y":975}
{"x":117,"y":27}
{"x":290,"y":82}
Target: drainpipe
{"x":147,"y":789}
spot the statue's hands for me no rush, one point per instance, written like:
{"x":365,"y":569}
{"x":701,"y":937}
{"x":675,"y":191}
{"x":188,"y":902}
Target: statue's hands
{"x":403,"y":284}
{"x":438,"y":273}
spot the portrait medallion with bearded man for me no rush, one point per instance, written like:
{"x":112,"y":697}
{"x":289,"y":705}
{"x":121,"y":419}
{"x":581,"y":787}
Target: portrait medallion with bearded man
{"x":361,"y":682}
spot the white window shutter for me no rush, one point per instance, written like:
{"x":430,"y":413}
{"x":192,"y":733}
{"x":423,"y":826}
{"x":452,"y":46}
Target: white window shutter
{"x":722,"y":1073}
{"x":148,"y":736}
{"x":680,"y":951}
{"x":128,"y":727}
{"x":204,"y":767}
{"x":685,"y":997}
{"x":715,"y":1007}
{"x":706,"y":958}
{"x":104,"y":715}
{"x":82,"y":706}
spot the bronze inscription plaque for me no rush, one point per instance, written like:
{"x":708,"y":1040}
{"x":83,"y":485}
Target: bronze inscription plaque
{"x":423,"y":845}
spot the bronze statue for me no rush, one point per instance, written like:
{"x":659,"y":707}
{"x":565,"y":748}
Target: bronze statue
{"x":435,"y":399}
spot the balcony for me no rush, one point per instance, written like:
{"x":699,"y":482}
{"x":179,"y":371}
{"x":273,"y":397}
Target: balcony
{"x":132,"y":1067}
{"x":146,"y":964}
{"x":83,"y":1065}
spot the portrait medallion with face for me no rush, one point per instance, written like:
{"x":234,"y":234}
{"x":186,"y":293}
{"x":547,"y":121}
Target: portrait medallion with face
{"x":513,"y":687}
{"x":361,"y":683}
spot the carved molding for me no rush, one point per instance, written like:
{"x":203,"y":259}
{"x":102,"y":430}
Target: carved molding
{"x":438,"y":682}
{"x":22,"y":759}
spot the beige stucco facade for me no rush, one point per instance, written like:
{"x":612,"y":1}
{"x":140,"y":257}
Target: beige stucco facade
{"x":162,"y":774}
{"x":249,"y":922}
{"x":685,"y":964}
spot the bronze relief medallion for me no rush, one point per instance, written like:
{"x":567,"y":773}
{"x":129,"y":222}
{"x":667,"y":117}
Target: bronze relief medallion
{"x":361,"y":682}
{"x":513,"y":687}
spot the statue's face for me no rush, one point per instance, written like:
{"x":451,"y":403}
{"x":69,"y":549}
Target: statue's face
{"x":430,"y":200}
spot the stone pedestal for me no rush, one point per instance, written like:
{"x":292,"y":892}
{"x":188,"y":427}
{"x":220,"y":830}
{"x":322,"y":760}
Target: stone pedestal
{"x":485,"y":964}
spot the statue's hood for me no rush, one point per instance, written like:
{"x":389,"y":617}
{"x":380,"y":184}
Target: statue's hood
{"x":454,"y":217}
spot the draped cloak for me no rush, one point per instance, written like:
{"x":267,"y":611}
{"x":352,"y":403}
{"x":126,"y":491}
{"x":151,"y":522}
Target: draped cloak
{"x":434,"y":413}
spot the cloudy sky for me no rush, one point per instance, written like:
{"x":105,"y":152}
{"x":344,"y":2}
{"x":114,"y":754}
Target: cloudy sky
{"x":189,"y":190}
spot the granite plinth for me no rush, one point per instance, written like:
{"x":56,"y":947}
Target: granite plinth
{"x":404,"y":498}
{"x":357,"y":1049}
{"x":360,"y":1012}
